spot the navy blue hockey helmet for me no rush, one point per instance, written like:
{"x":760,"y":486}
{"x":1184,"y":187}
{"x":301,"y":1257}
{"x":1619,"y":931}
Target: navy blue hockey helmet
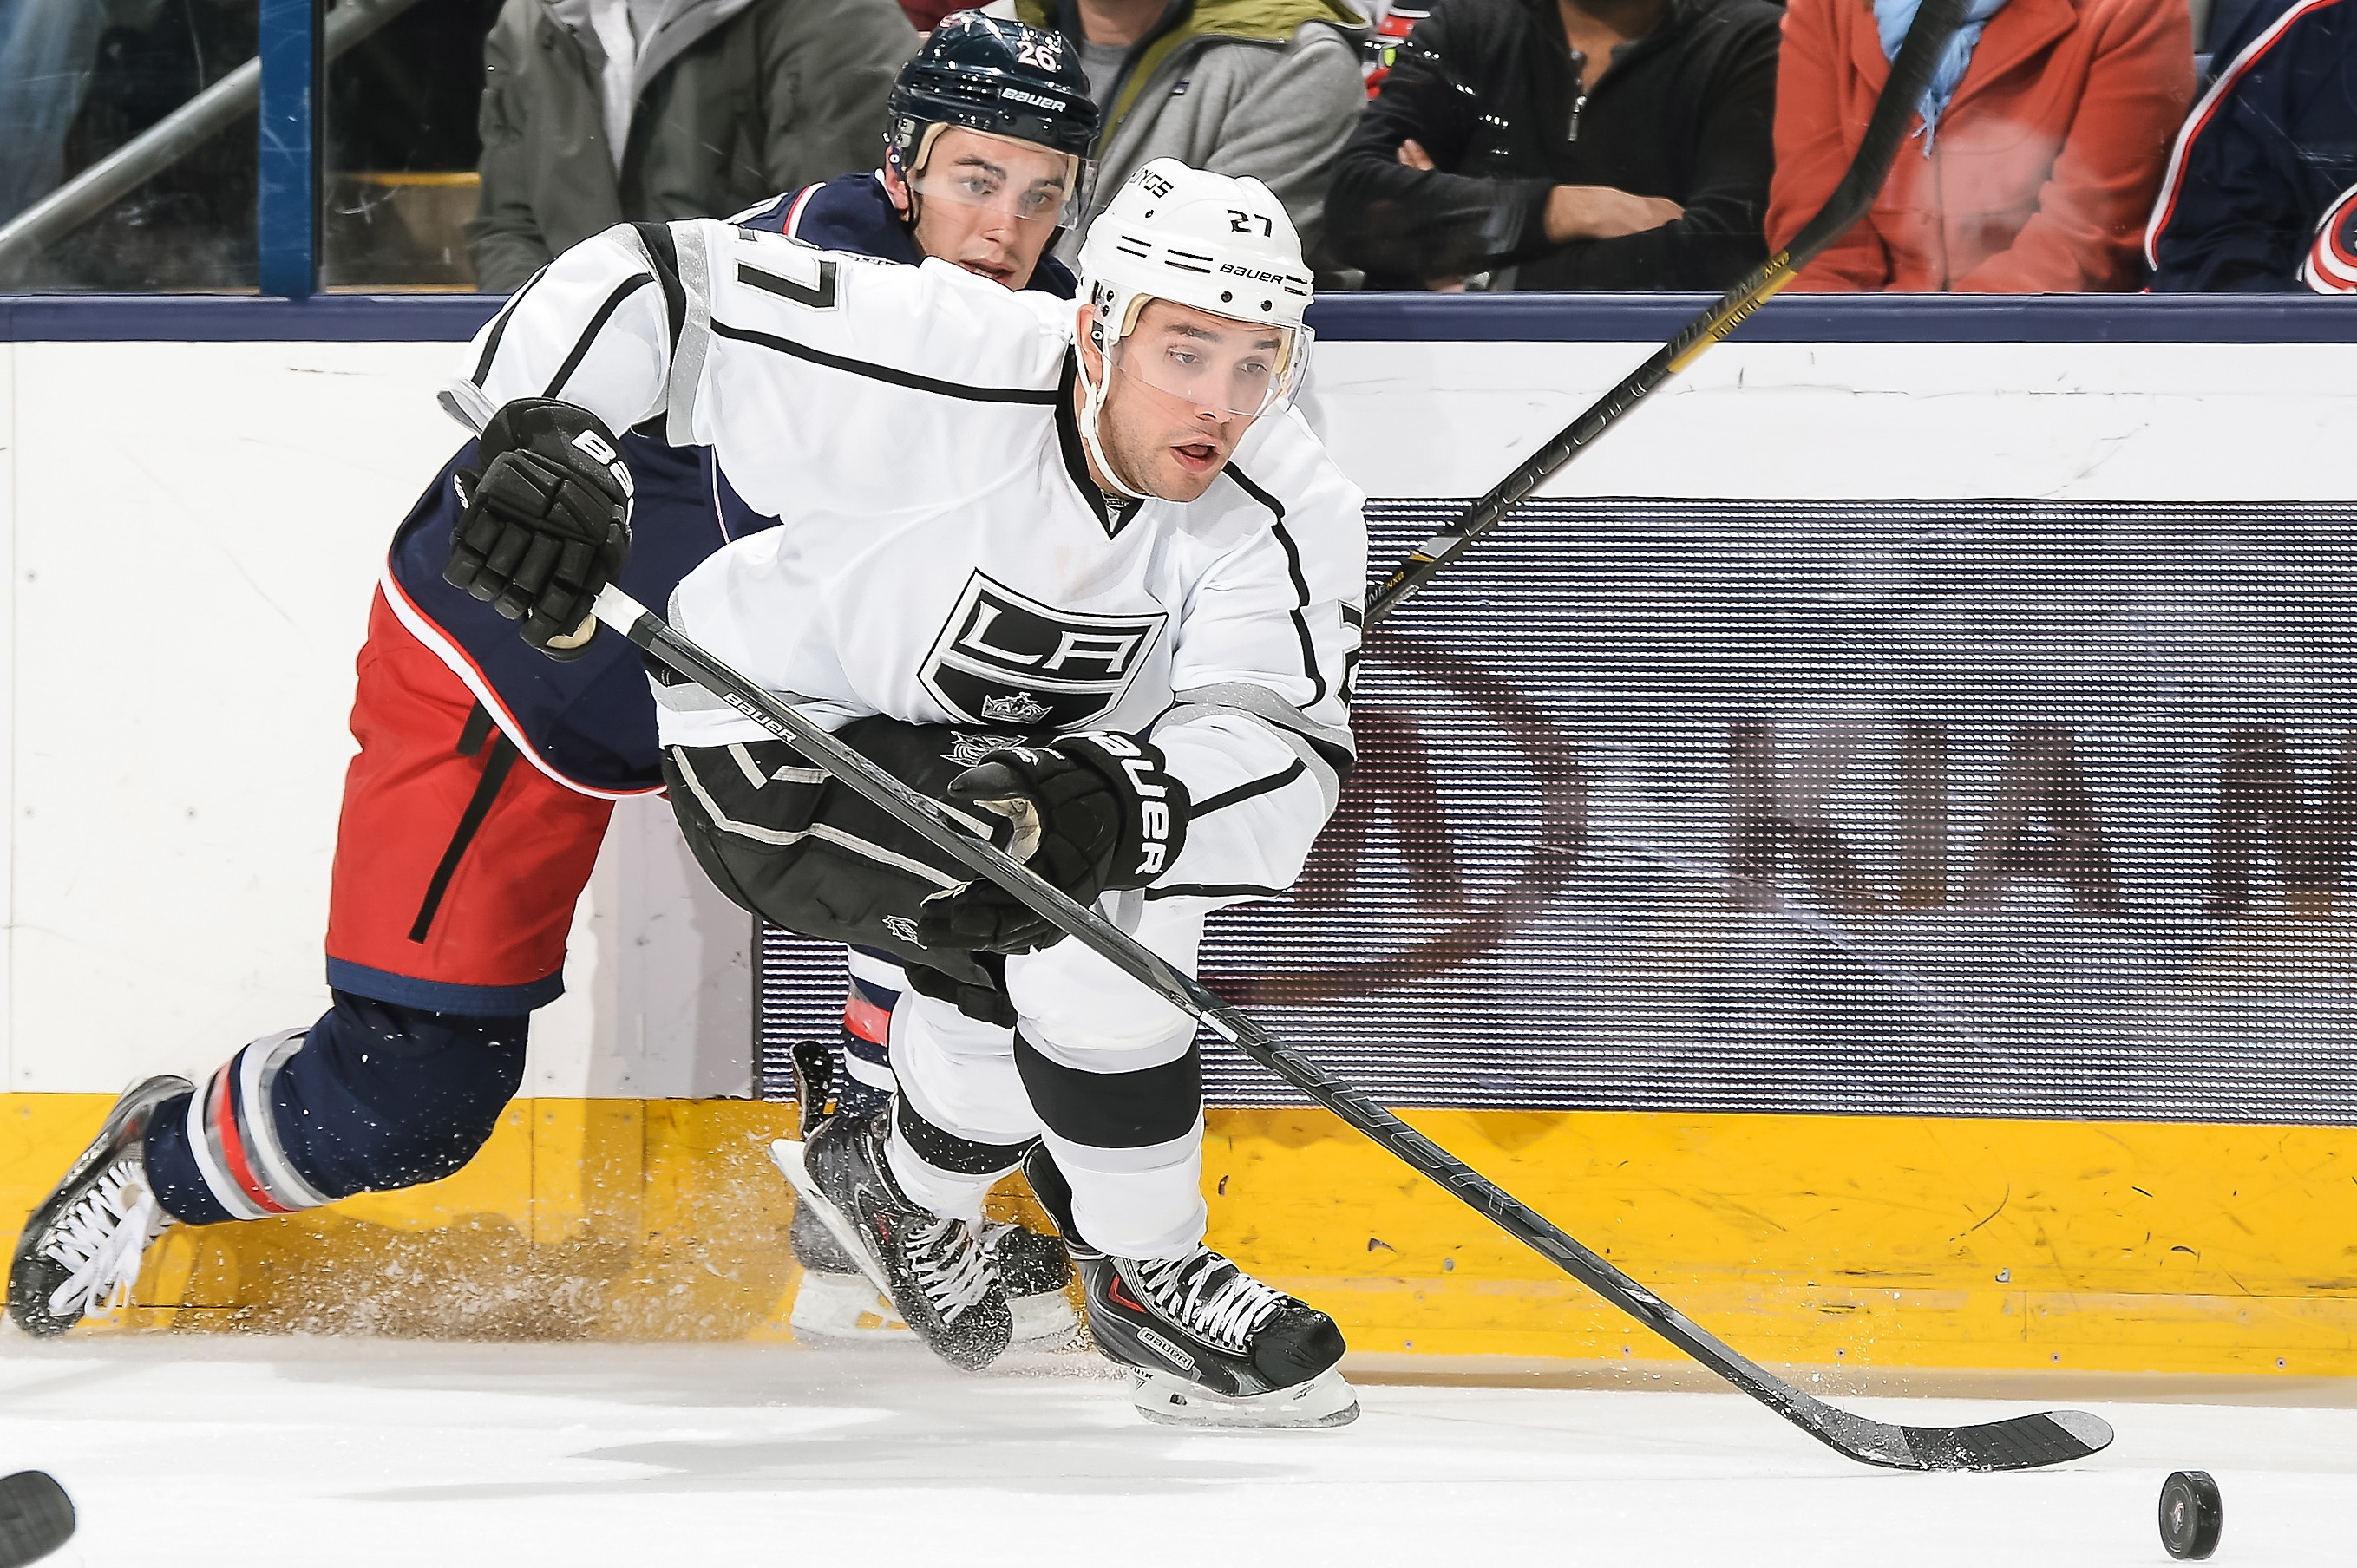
{"x":998,"y":77}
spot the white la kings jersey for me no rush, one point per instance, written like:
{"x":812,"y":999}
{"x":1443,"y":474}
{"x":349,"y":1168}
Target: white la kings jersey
{"x":943,"y":556}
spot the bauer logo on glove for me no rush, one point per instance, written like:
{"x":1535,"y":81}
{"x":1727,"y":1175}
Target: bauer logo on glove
{"x":1153,"y":791}
{"x":1090,"y":813}
{"x":547,"y":522}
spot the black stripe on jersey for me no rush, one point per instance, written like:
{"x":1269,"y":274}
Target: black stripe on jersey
{"x":1336,"y":757}
{"x":1339,"y":758}
{"x":499,"y":325}
{"x":1353,"y":615}
{"x":908,"y":379}
{"x":622,"y":291}
{"x":1300,"y":583}
{"x":1215,"y":890}
{"x":663,"y":251}
{"x":1244,"y":792}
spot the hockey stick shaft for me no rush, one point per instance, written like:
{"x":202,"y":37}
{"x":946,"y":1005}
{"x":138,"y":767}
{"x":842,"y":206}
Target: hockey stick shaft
{"x":1927,"y":37}
{"x":929,"y":821}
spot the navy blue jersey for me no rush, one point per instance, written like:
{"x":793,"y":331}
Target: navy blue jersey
{"x":591,"y":722}
{"x":2267,"y":160}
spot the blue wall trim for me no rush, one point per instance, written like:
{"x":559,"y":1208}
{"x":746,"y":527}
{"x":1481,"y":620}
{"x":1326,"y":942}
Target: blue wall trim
{"x":1363,"y":317}
{"x":286,"y":208}
{"x":1841,"y":319}
{"x":244,"y":319}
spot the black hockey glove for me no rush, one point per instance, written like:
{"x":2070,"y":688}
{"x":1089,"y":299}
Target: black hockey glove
{"x":985,"y":1003}
{"x":547,"y":522}
{"x":1092,"y":813}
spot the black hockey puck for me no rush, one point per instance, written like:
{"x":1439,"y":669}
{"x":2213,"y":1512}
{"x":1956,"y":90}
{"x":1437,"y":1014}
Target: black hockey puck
{"x":2191,"y":1515}
{"x":36,"y":1518}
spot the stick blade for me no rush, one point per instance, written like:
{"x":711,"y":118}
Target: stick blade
{"x":2023,"y":1443}
{"x":36,"y":1518}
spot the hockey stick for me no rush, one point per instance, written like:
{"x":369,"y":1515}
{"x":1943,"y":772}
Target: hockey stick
{"x":2020,"y":1444}
{"x":1927,"y":36}
{"x":36,"y":1518}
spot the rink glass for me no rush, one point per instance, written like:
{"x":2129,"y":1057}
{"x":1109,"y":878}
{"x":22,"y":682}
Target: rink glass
{"x":80,"y":81}
{"x":399,"y":151}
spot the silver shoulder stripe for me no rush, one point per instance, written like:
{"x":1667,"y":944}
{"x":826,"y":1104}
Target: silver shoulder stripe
{"x":1262,"y":702}
{"x":688,"y":354}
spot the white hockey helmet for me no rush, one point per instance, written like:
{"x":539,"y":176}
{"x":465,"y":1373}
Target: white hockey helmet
{"x":1214,"y":241}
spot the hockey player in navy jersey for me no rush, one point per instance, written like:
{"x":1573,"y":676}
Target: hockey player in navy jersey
{"x":487,"y":770}
{"x":1101,"y":528}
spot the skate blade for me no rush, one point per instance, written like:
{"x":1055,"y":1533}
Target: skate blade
{"x":844,"y":1311}
{"x":787,"y":1154}
{"x":1167,"y":1401}
{"x":838,"y":1311}
{"x":1043,"y":1322}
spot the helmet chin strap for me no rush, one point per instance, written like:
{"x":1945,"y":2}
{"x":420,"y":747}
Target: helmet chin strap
{"x":908,"y":174}
{"x":1093,"y":394}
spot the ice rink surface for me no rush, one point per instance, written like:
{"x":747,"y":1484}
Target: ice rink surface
{"x":200,"y":1451}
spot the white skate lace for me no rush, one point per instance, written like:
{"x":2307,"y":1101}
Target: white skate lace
{"x":101,"y":1239}
{"x":953,"y":1267}
{"x":1210,"y":1296}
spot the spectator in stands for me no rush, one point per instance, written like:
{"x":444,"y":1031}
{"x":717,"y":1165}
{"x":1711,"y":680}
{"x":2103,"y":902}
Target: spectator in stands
{"x":2261,"y":192}
{"x":597,"y":112}
{"x":1566,"y":144}
{"x":1264,"y":88}
{"x":926,"y":14}
{"x":2034,"y":157}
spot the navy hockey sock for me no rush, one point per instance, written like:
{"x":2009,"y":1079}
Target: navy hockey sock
{"x":373,"y":1097}
{"x":866,"y":1083}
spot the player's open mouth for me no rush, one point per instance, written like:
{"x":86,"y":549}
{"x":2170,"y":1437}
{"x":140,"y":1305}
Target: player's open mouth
{"x":1196,"y":456}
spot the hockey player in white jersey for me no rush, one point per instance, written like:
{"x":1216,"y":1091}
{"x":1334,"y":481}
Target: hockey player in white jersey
{"x":1103,"y":533}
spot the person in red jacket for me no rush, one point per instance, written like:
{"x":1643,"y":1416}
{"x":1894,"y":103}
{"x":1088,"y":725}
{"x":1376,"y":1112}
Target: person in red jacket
{"x":2032,"y":174}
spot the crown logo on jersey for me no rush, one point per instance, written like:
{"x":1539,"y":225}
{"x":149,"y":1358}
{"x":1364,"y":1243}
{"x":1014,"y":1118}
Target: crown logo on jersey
{"x":903,"y":928}
{"x":1022,"y":708}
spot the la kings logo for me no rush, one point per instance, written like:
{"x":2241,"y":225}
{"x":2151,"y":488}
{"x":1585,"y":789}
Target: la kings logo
{"x":1003,"y":659}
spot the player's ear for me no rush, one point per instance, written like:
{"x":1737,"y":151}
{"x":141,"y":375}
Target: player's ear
{"x":1091,"y":356}
{"x":896,"y":189}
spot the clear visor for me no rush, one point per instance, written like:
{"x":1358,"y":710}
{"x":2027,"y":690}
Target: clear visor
{"x":1021,"y":180}
{"x":1236,"y":367}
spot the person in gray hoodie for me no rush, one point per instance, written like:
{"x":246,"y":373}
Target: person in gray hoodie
{"x":601,"y":112}
{"x":1270,"y":89}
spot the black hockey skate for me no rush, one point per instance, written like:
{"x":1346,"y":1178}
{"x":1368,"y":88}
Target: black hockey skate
{"x":1035,"y":1271}
{"x":836,"y":1304}
{"x":80,"y":1250}
{"x":1207,"y":1344}
{"x":938,"y":1273}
